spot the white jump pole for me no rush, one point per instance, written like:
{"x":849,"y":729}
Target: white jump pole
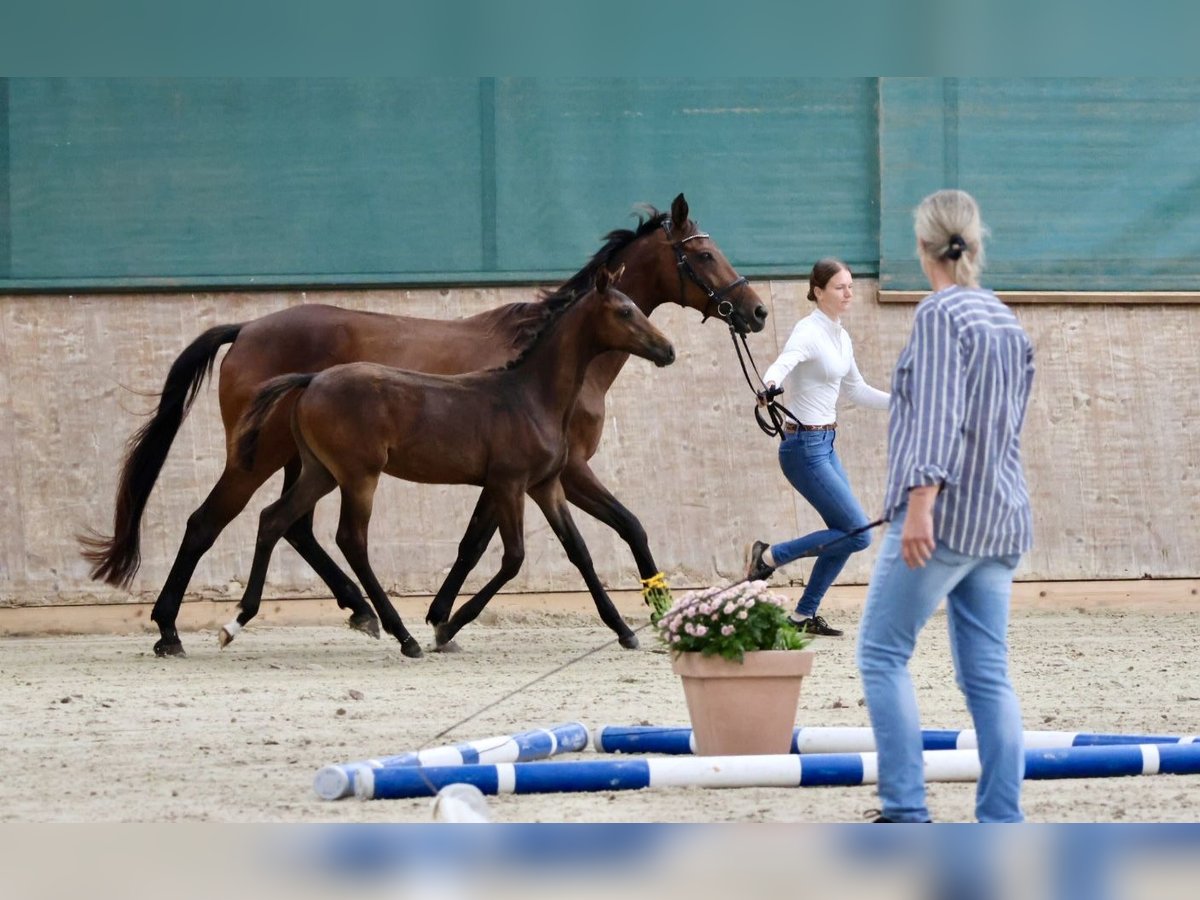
{"x":679,"y":740}
{"x":790,"y":770}
{"x":337,"y":781}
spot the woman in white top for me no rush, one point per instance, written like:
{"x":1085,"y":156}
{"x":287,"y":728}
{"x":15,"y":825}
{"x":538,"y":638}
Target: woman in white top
{"x":815,"y":368}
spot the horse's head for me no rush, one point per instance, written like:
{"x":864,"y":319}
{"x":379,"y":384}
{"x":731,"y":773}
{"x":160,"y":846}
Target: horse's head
{"x":617,"y":324}
{"x":707,"y":281}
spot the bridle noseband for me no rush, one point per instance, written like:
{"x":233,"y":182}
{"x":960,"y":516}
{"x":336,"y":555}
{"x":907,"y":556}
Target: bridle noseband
{"x":718,"y":301}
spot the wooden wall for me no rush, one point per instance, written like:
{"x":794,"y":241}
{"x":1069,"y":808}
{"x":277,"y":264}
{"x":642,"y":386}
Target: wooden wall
{"x":1111,"y":447}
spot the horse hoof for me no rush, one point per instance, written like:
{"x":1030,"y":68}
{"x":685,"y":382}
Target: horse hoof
{"x":450,"y":646}
{"x":366,"y":623}
{"x":168,"y":648}
{"x":629,"y":641}
{"x":224,"y":638}
{"x":411,"y":648}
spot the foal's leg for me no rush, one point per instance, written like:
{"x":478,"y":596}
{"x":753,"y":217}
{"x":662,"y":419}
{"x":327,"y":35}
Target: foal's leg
{"x":300,"y":536}
{"x":313,"y":484}
{"x":584,"y":489}
{"x":227,"y":498}
{"x":509,"y":508}
{"x":472,"y":546}
{"x":550,"y":497}
{"x":352,"y":539}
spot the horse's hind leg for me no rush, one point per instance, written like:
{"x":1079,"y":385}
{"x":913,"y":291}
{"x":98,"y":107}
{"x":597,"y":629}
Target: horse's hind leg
{"x":345,"y":591}
{"x":227,"y":498}
{"x":509,"y":509}
{"x":470,"y":549}
{"x":550,"y":498}
{"x":352,"y":540}
{"x":313,"y":484}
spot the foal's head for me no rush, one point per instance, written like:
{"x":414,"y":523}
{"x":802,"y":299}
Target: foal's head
{"x":617,"y":324}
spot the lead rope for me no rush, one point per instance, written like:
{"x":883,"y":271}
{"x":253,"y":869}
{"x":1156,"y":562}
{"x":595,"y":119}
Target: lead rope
{"x":775,"y":411}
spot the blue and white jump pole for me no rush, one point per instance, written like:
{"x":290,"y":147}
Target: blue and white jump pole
{"x":337,"y":781}
{"x":679,"y":740}
{"x":785,"y":770}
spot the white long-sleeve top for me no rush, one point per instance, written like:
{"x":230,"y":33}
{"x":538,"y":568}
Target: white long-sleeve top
{"x":816,"y":366}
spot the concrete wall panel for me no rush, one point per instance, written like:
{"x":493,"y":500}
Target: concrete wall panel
{"x":1111,"y":447}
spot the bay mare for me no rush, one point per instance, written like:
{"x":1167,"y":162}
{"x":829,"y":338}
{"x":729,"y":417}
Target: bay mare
{"x":504,"y":430}
{"x":666,"y":259}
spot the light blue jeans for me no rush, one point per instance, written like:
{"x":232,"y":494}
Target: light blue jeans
{"x":810,"y":463}
{"x":900,"y":601}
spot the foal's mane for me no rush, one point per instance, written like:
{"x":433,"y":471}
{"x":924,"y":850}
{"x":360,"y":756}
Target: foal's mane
{"x":552,"y":303}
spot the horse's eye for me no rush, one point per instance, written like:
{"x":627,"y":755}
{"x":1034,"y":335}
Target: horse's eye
{"x":706,"y":256}
{"x":626,"y":312}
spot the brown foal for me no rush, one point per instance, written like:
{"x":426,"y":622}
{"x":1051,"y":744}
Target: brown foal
{"x":504,"y":430}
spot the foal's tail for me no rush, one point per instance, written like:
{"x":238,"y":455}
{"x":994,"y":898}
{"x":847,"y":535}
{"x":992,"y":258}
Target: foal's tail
{"x":116,"y":559}
{"x":251,"y":422}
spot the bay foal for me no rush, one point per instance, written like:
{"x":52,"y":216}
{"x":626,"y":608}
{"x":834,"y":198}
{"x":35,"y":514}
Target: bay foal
{"x":504,"y":430}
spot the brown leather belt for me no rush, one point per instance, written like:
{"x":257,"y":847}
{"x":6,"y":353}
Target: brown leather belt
{"x":793,"y":427}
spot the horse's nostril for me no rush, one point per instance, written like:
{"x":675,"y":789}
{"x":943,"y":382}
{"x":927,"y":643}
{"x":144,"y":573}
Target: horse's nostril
{"x":760,"y":313}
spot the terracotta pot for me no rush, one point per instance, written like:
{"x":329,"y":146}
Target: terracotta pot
{"x":743,"y":708}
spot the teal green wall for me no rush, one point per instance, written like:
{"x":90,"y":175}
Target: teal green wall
{"x":1085,"y":183}
{"x":291,"y":181}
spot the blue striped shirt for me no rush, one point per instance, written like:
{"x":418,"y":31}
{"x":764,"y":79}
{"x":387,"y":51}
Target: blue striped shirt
{"x":959,"y":395}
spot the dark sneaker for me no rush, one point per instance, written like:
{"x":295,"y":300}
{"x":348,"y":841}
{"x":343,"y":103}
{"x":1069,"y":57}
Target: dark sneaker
{"x":815,"y":625}
{"x":877,"y":817}
{"x":756,"y":569}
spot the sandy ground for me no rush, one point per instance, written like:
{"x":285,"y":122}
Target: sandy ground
{"x":96,"y":729}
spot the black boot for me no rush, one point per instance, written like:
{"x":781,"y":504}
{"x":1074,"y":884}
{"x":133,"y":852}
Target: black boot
{"x":757,"y":570}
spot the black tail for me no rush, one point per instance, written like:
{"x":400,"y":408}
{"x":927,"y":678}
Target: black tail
{"x":116,"y":559}
{"x":251,"y":423}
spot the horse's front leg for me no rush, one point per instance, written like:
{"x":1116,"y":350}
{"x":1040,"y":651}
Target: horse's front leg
{"x":509,"y":508}
{"x":471,"y":548}
{"x":551,"y":498}
{"x":583,"y":489}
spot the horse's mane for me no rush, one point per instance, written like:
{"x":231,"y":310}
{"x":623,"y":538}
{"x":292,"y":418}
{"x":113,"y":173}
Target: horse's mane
{"x":614,"y":242}
{"x":553,"y":302}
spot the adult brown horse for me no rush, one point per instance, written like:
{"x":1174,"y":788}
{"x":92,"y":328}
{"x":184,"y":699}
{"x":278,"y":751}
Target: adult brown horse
{"x":665,"y":258}
{"x":504,"y":430}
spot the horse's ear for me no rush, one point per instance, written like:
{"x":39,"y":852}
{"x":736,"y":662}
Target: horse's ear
{"x":603,"y":278}
{"x":616,"y":276}
{"x":679,"y":213}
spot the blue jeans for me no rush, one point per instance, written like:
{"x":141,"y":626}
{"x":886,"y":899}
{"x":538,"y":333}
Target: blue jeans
{"x":900,"y":601}
{"x":810,"y":463}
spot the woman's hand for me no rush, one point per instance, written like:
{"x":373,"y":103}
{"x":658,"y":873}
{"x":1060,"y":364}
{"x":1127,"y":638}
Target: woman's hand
{"x":765,"y":395}
{"x":916,"y":538}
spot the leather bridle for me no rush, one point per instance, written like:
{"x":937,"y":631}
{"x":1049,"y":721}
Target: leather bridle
{"x":718,"y":300}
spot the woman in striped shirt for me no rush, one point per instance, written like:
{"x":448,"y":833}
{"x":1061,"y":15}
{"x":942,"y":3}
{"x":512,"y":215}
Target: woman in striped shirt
{"x":815,"y":368}
{"x":960,"y":517}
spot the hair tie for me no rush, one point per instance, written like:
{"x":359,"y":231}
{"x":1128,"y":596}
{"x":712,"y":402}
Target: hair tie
{"x":955,"y":248}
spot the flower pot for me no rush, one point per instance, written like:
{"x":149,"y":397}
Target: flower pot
{"x":743,"y":708}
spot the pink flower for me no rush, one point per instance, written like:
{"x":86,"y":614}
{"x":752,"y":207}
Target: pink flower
{"x":727,"y":630}
{"x":701,"y":630}
{"x":743,"y":615}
